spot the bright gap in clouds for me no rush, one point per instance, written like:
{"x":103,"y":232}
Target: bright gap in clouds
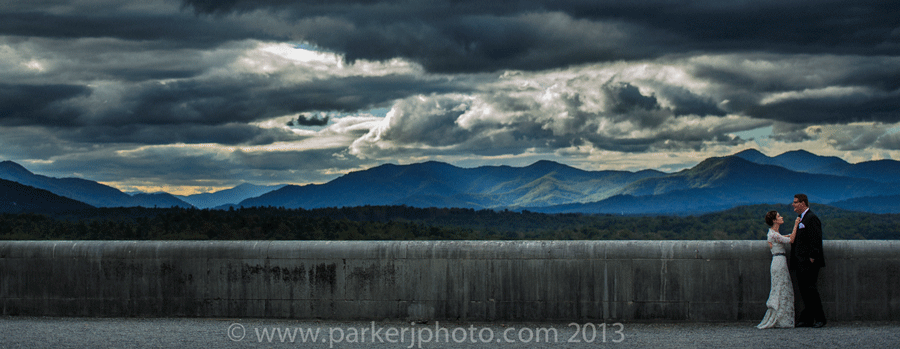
{"x":759,"y":135}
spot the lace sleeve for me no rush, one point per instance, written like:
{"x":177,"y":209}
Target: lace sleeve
{"x":776,"y":237}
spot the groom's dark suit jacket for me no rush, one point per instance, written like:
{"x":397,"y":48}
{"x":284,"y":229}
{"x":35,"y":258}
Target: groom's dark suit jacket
{"x":808,"y":243}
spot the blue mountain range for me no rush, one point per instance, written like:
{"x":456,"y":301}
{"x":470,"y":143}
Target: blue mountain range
{"x":20,"y":198}
{"x":86,"y":191}
{"x":715,"y":184}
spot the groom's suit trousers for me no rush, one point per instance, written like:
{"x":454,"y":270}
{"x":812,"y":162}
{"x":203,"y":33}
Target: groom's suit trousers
{"x":807,"y":276}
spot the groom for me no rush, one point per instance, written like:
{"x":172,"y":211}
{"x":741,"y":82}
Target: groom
{"x":806,"y":260}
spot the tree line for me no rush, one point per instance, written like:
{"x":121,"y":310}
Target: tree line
{"x":409,"y":223}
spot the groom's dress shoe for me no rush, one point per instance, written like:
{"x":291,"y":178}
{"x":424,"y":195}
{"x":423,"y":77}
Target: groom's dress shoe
{"x":819,"y":324}
{"x":804,"y":324}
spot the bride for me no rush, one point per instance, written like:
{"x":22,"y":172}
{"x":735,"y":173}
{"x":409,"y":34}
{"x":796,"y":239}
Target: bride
{"x":780,"y":305}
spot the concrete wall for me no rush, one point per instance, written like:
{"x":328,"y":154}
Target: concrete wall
{"x":439,"y":280}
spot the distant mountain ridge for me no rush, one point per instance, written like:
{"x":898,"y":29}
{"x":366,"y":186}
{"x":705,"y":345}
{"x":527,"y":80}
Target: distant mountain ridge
{"x":86,"y":191}
{"x":748,"y":177}
{"x":20,"y":198}
{"x":228,"y":196}
{"x":884,"y":171}
{"x":718,"y":183}
{"x":732,"y":176}
{"x":872,"y":204}
{"x":435,"y":184}
{"x":722,"y":183}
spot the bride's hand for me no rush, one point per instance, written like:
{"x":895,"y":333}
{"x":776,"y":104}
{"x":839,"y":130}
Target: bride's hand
{"x":797,"y":222}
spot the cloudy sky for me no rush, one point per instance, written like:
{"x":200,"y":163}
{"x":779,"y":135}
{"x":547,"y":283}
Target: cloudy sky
{"x":199,"y":95}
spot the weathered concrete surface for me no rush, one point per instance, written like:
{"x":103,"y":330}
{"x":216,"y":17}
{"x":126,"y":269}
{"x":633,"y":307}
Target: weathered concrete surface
{"x":432,"y":280}
{"x":223,"y":333}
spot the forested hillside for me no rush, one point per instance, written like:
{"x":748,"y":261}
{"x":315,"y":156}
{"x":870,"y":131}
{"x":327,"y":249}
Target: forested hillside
{"x":408,"y":223}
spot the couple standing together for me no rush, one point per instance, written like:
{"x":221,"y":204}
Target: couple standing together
{"x":806,"y":258}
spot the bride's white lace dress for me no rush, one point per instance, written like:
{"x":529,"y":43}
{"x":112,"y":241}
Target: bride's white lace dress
{"x":781,"y":295}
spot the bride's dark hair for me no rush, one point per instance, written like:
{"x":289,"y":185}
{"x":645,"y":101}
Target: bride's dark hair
{"x":771,"y":217}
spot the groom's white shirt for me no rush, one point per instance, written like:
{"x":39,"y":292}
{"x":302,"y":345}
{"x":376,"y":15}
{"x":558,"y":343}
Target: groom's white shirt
{"x":801,"y":226}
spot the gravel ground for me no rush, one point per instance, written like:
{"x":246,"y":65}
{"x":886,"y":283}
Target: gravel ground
{"x":47,"y":332}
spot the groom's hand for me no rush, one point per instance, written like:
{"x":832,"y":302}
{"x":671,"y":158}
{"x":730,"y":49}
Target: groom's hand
{"x":812,"y":260}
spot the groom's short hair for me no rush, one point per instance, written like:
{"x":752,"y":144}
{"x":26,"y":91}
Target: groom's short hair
{"x":802,"y":198}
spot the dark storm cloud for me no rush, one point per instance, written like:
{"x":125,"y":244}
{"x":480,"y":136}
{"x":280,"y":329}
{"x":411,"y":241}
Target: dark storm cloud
{"x":169,"y":30}
{"x":156,"y":166}
{"x":197,"y":111}
{"x":228,"y":134}
{"x":486,"y":35}
{"x":466,"y":36}
{"x":578,"y":111}
{"x":459,"y":37}
{"x":80,"y":60}
{"x":253,"y":98}
{"x":686,"y":102}
{"x":38,"y":104}
{"x":855,"y":138}
{"x":22,"y":143}
{"x":304,"y":120}
{"x":808,"y":89}
{"x":857,"y":27}
{"x":853,"y":107}
{"x":786,"y":132}
{"x":891,"y":141}
{"x":306,"y":161}
{"x":624,"y":98}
